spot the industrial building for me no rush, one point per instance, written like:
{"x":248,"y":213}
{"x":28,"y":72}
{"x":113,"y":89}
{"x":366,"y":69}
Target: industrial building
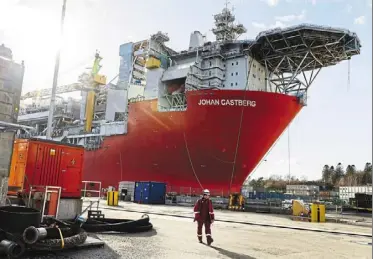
{"x":11,"y":80}
{"x":303,"y":190}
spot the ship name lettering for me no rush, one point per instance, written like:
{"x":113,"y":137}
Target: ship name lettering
{"x":209,"y":102}
{"x":227,"y":102}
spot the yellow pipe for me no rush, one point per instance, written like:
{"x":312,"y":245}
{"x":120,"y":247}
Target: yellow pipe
{"x":90,"y":103}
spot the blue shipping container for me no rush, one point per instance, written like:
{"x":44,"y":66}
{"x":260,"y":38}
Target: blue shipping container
{"x":150,"y":193}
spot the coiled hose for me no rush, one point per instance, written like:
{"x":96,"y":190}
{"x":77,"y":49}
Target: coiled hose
{"x":54,"y":244}
{"x":31,"y":235}
{"x":56,"y":238}
{"x":118,"y":225}
{"x":60,"y":235}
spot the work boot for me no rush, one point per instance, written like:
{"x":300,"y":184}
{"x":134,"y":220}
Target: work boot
{"x":209,"y":240}
{"x":200,"y":239}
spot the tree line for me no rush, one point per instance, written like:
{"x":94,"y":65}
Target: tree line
{"x":331,"y":177}
{"x":351,"y":176}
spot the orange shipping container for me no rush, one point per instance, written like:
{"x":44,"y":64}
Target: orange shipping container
{"x":38,"y":162}
{"x":324,"y":194}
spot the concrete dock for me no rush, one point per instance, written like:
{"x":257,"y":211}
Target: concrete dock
{"x":174,"y":236}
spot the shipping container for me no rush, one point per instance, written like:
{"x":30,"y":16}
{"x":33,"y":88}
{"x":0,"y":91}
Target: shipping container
{"x":37,"y":162}
{"x":126,"y":188}
{"x":324,"y":194}
{"x":152,"y":63}
{"x":150,"y":193}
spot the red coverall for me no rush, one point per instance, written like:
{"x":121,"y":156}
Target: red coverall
{"x":204,"y":215}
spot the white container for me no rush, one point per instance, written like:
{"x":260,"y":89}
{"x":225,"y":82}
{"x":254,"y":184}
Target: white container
{"x":129,"y":186}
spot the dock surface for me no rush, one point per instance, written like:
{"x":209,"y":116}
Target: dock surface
{"x":174,"y":236}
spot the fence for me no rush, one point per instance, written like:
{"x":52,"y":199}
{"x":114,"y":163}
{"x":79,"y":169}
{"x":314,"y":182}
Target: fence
{"x":195,"y":192}
{"x":334,"y":203}
{"x":91,"y":189}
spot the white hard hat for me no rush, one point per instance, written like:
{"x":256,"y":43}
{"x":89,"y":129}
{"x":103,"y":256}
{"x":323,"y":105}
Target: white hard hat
{"x":206,"y":191}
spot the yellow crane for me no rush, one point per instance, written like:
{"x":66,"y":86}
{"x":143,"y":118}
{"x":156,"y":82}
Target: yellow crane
{"x":89,"y":84}
{"x":91,"y":95}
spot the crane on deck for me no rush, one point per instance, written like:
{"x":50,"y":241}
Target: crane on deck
{"x":89,"y":82}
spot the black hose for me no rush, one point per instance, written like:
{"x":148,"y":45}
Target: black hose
{"x":32,"y":234}
{"x":66,"y":235}
{"x":12,"y":249}
{"x":118,"y":225}
{"x":57,"y":243}
{"x":56,"y":235}
{"x":50,"y":221}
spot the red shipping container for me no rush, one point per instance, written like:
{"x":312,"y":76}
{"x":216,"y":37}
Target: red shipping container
{"x":38,"y":162}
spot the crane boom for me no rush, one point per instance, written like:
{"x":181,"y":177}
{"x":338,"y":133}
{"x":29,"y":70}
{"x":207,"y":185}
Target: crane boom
{"x":48,"y":91}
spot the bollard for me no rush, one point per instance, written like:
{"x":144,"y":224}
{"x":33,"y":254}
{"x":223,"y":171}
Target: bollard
{"x":112,"y":198}
{"x":317,"y":213}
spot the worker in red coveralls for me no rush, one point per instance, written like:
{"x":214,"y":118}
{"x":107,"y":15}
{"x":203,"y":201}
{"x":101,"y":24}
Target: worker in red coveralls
{"x":204,"y":215}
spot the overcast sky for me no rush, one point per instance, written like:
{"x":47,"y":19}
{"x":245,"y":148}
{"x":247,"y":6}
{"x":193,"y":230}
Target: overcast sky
{"x":336,"y":126}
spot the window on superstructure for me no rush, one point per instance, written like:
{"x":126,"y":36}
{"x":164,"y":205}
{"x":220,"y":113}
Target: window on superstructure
{"x":231,"y":84}
{"x":210,"y":63}
{"x":237,"y":63}
{"x":236,"y":84}
{"x":254,"y":75}
{"x":236,"y":73}
{"x":119,"y":116}
{"x":232,"y":64}
{"x":232,"y":74}
{"x":209,"y":73}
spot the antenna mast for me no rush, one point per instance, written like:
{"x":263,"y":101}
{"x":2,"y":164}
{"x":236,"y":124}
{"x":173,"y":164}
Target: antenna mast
{"x":225,"y":28}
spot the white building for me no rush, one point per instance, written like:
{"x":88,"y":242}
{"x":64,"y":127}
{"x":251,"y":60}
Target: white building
{"x":347,"y":192}
{"x":304,"y":190}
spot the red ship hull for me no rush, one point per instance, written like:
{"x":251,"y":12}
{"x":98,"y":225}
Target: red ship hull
{"x":215,"y":145}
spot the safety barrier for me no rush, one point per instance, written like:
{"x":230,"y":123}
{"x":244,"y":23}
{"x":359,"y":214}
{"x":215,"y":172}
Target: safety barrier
{"x":49,"y":196}
{"x":87,"y":193}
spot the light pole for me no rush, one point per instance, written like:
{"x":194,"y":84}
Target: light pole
{"x":55,"y":75}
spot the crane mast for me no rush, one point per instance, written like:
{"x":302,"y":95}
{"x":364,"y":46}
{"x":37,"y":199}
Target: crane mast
{"x":95,"y":81}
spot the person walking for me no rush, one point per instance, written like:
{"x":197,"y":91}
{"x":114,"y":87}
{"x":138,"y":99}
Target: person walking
{"x":204,"y":215}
